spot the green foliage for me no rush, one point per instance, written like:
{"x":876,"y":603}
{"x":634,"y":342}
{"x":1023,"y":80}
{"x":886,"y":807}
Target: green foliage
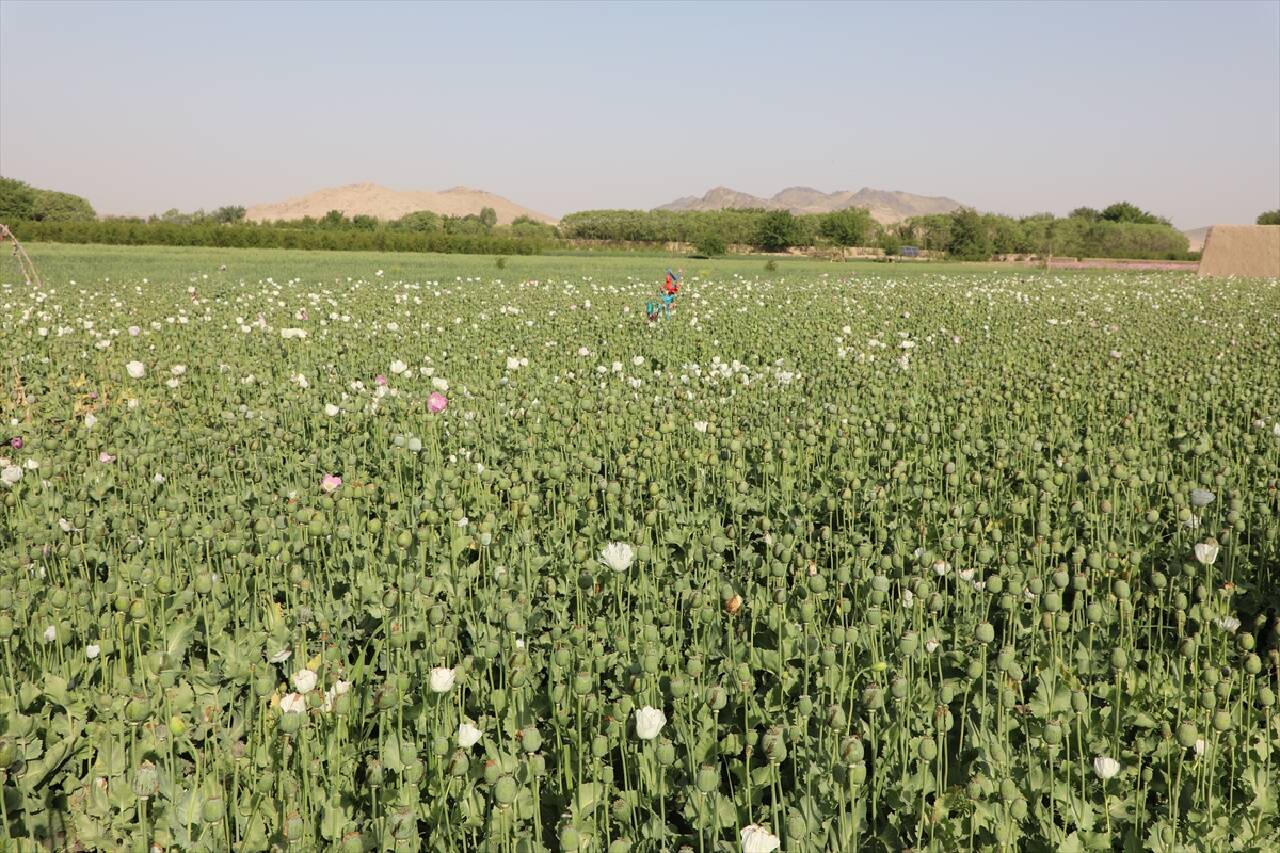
{"x":966,"y":235}
{"x":338,"y":238}
{"x":1088,"y":214}
{"x":17,"y":200}
{"x":500,"y":262}
{"x":422,"y":220}
{"x":333,"y":219}
{"x":1271,"y":217}
{"x":889,"y":242}
{"x":51,"y":206}
{"x":364,"y":221}
{"x":921,"y":560}
{"x":229,"y":214}
{"x":970,"y":237}
{"x":1123,"y":211}
{"x":778,"y":231}
{"x":523,"y":226}
{"x":734,"y":226}
{"x":711,"y":244}
{"x":488,"y":217}
{"x":849,"y":227}
{"x":469,"y":225}
{"x":771,"y":265}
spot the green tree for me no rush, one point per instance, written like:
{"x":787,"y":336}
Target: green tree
{"x":227,"y":215}
{"x":778,"y":231}
{"x":420,"y":220}
{"x":970,"y":239}
{"x":890,"y":243}
{"x":333,"y":219}
{"x":364,"y":221}
{"x":711,"y":244}
{"x":523,"y":226}
{"x":848,"y":227}
{"x":1123,"y":211}
{"x":17,"y":200}
{"x":173,"y":216}
{"x":488,"y":217}
{"x":1089,"y":214}
{"x":1271,"y":217}
{"x":469,"y":225}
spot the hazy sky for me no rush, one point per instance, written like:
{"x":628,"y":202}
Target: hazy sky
{"x":1007,"y":107}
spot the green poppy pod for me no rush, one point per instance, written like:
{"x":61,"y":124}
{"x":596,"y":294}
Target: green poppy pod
{"x":530,"y":739}
{"x":504,"y":791}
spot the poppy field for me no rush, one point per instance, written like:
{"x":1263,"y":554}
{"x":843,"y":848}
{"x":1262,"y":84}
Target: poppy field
{"x":308,"y":551}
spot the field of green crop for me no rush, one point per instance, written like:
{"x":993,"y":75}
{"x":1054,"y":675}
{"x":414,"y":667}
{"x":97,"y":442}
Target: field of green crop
{"x":348,"y":552}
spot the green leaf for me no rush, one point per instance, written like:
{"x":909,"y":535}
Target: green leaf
{"x":586,"y":797}
{"x":55,"y":689}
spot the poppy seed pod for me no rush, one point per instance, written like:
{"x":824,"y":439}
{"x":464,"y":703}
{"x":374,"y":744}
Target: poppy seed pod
{"x":504,"y":791}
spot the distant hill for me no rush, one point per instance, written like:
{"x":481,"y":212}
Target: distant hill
{"x":885,"y":206}
{"x":388,"y":204}
{"x":1195,"y":237}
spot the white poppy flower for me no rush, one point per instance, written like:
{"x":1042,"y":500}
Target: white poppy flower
{"x":1207,"y":553}
{"x":617,"y":556}
{"x":136,"y":369}
{"x":1227,"y":623}
{"x":468,"y":735}
{"x":1105,"y":767}
{"x":50,"y":634}
{"x":398,"y":367}
{"x":10,"y":475}
{"x":441,"y":679}
{"x":293,"y":703}
{"x":757,"y":839}
{"x":649,"y":721}
{"x":304,"y":681}
{"x":92,"y":650}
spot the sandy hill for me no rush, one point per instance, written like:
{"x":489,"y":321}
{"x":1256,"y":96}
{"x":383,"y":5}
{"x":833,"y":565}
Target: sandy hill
{"x":388,"y":204}
{"x":884,"y":206}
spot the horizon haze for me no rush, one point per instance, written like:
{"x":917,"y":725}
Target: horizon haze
{"x":1011,"y":108}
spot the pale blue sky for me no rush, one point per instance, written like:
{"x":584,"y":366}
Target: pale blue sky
{"x":1007,"y":107}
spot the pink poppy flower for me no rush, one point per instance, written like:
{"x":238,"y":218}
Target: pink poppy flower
{"x":437,"y":403}
{"x":106,"y":458}
{"x":16,"y":442}
{"x":330,"y":482}
{"x":380,"y":379}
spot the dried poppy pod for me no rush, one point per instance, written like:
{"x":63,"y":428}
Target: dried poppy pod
{"x":733,"y":605}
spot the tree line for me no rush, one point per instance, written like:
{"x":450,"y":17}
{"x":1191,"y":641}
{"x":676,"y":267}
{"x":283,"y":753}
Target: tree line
{"x":1119,"y":230}
{"x":383,"y":239}
{"x":713,"y":230}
